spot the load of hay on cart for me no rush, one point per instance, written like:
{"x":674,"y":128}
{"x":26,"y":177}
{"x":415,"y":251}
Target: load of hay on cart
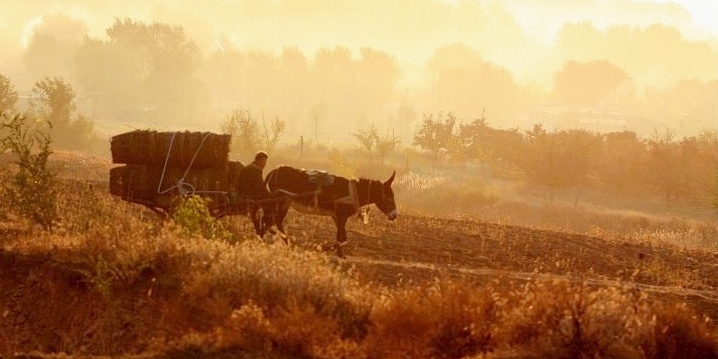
{"x":159,"y":167}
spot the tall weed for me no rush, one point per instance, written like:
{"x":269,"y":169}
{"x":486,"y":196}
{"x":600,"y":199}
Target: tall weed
{"x":30,"y":191}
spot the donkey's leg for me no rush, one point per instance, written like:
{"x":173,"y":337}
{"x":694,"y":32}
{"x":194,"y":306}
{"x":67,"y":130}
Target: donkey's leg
{"x":267,"y":220}
{"x":341,"y":222}
{"x":280,"y":214}
{"x":254,"y":216}
{"x":274,"y":217}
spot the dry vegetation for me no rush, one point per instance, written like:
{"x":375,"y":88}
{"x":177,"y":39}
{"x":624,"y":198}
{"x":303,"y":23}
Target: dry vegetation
{"x":511,"y":243}
{"x":113,"y":279}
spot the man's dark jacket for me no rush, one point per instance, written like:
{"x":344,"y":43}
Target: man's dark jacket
{"x":251,"y":183}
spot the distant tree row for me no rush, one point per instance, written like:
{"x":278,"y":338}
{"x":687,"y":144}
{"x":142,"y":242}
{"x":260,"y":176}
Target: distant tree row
{"x":621,"y":162}
{"x":658,"y":51}
{"x":141,"y":70}
{"x":156,"y":72}
{"x":684,"y":170}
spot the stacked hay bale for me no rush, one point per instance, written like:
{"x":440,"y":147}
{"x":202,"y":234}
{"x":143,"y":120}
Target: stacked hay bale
{"x":160,"y":165}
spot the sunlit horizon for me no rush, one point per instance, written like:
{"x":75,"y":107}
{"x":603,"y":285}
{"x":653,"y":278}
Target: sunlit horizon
{"x":362,"y":61}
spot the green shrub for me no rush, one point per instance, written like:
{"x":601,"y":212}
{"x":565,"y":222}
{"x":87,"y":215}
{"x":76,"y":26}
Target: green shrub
{"x":31,"y":190}
{"x":192,"y":214}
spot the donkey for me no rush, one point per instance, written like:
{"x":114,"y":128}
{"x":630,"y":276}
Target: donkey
{"x":320,"y":193}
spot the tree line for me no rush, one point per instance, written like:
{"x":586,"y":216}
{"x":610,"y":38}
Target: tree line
{"x":677,"y":170}
{"x":620,"y":162}
{"x":156,"y":72}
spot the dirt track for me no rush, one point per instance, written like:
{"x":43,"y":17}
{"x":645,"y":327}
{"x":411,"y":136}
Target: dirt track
{"x":416,"y":248}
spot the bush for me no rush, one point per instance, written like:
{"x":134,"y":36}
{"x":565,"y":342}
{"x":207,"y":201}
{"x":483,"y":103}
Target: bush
{"x":192,"y":214}
{"x":31,"y":189}
{"x":444,"y":319}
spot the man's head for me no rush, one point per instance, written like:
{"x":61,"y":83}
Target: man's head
{"x":261,"y":159}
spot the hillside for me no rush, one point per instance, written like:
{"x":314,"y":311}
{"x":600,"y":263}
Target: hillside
{"x":113,"y":279}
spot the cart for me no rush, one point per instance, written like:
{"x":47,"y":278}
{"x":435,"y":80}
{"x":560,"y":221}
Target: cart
{"x":160,"y":167}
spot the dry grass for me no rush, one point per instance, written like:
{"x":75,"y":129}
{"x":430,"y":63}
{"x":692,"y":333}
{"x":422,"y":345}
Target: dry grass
{"x":113,"y":279}
{"x":473,"y":196}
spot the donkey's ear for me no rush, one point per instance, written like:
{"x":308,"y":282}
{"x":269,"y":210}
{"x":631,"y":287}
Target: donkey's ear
{"x":391,"y":179}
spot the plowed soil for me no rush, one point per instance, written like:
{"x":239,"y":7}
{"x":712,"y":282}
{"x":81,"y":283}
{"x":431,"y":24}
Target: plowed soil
{"x":419,"y":248}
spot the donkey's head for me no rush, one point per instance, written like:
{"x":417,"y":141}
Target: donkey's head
{"x":386,"y":201}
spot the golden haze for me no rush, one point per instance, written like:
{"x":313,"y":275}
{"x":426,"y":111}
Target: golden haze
{"x":330,"y":67}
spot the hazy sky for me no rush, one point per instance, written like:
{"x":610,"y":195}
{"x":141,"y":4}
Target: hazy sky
{"x":411,"y":39}
{"x":703,"y":12}
{"x":523,"y":36}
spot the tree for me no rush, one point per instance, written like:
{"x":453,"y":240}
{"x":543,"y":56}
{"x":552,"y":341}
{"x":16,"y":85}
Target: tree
{"x":294,"y":78}
{"x":260,"y":74}
{"x":332,"y":71}
{"x":53,"y":44}
{"x":587,"y":83}
{"x":560,"y":159}
{"x":374,"y":80}
{"x":463,"y":82}
{"x":668,"y":165}
{"x":367,"y":139}
{"x":8,"y":95}
{"x":375,"y":144}
{"x":436,"y":135}
{"x":621,"y":163}
{"x":224,"y":74}
{"x":246,"y":138}
{"x":273,"y":133}
{"x":385,"y":145}
{"x":657,"y":51}
{"x":54,"y":101}
{"x":702,"y":164}
{"x":457,"y":55}
{"x":112,"y":74}
{"x":146,"y":69}
{"x":472,"y":139}
{"x":170,"y":85}
{"x":581,"y":41}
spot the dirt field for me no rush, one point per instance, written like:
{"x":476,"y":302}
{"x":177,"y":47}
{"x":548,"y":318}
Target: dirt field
{"x":418,"y":248}
{"x":413,"y":249}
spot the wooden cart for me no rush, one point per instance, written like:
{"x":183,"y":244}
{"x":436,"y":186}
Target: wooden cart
{"x":158,"y":167}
